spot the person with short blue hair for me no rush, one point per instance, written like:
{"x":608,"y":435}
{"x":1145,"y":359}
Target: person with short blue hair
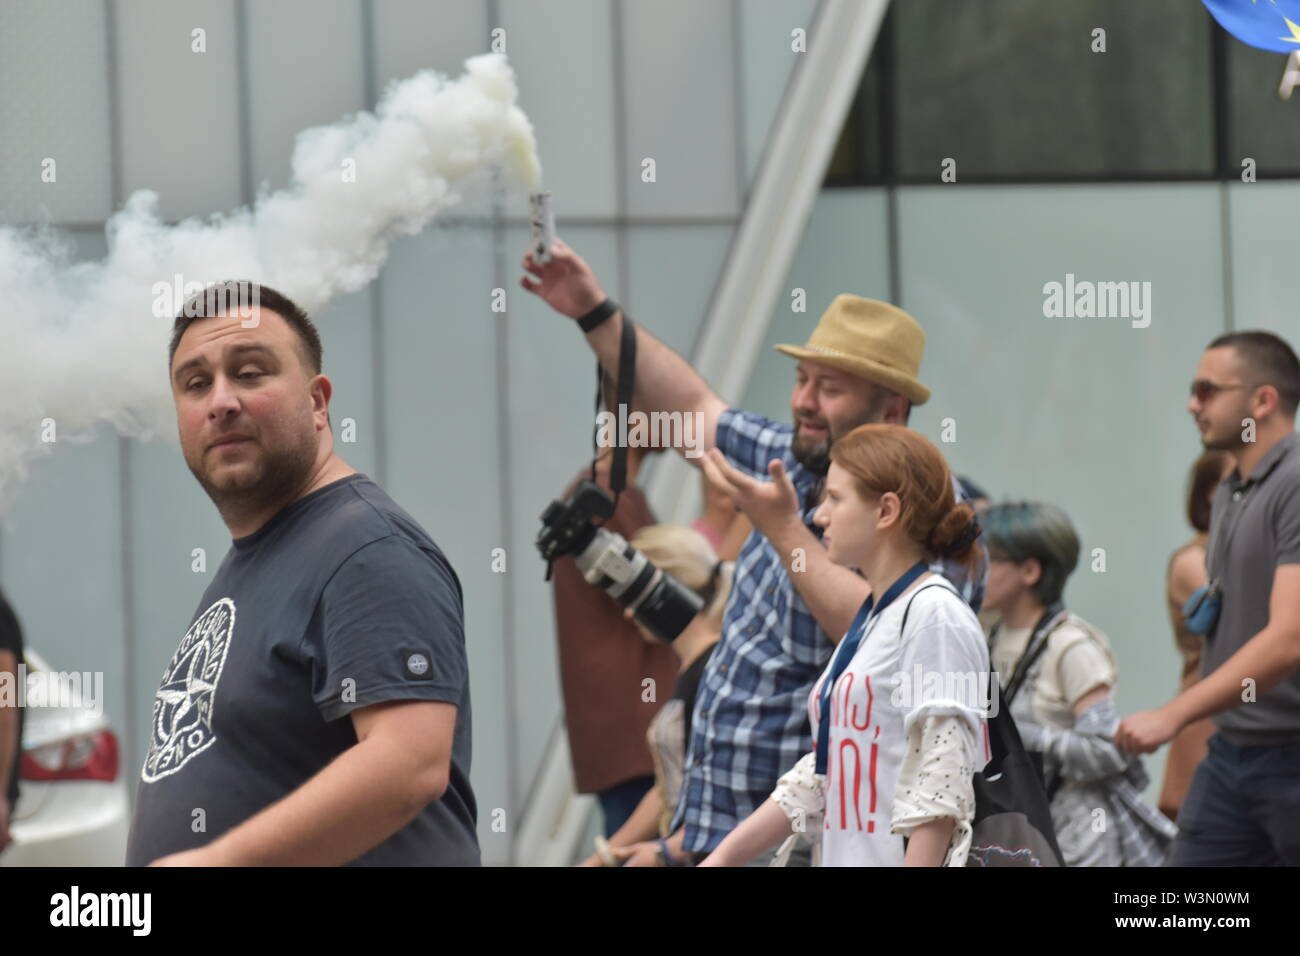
{"x":1058,"y":674}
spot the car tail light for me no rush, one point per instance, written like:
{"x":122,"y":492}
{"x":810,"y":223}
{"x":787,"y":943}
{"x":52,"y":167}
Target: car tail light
{"x":91,"y":756}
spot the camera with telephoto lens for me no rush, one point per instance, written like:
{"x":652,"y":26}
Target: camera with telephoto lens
{"x":658,"y":601}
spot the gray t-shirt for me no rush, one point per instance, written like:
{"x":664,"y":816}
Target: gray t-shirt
{"x":1254,"y":527}
{"x":338,"y":602}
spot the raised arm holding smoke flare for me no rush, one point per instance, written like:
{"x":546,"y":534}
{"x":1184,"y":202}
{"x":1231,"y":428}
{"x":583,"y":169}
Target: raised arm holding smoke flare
{"x":791,"y":604}
{"x":665,"y":382}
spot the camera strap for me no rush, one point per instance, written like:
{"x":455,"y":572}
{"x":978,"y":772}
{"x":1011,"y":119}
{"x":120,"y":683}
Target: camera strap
{"x":625,"y":385}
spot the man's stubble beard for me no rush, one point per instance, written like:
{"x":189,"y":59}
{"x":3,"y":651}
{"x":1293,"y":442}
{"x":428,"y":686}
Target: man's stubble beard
{"x":1231,"y":440}
{"x":817,"y":457}
{"x":274,"y":479}
{"x":1219,"y":444}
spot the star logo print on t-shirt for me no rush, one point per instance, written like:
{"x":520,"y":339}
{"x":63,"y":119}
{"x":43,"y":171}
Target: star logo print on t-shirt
{"x":182,"y":709}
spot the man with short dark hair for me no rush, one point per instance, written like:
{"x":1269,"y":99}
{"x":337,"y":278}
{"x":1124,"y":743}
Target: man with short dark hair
{"x":1243,"y":807}
{"x":317,"y":709}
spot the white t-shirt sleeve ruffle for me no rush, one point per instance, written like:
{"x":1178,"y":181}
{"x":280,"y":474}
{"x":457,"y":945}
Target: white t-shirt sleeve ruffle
{"x":936,"y":781}
{"x":801,"y":794}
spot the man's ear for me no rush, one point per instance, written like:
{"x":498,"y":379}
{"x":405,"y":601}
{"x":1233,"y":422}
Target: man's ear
{"x":321,"y":390}
{"x":897,"y":408}
{"x":1264,"y":402}
{"x":1031,"y":572}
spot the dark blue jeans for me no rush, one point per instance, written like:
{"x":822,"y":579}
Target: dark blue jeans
{"x":1242,"y":809}
{"x":618,"y":802}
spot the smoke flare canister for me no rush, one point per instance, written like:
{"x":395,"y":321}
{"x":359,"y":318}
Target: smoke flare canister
{"x":541,"y":222}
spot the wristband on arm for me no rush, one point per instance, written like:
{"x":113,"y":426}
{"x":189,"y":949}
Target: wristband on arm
{"x":597,"y":315}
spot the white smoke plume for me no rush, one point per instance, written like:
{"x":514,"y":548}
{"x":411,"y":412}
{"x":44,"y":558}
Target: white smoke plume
{"x":80,"y":344}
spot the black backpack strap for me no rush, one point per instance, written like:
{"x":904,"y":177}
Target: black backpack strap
{"x":1002,"y":715}
{"x":1037,"y":645}
{"x":903,"y":627}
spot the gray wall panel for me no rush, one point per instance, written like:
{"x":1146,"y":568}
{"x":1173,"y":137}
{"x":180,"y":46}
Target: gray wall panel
{"x":562,"y":57}
{"x":412,"y":35}
{"x":1263,"y":257}
{"x":672,"y":271}
{"x":54,"y":106}
{"x":767,"y":62}
{"x":681,"y":108}
{"x":179,"y":110}
{"x":346,"y":335}
{"x":305,"y":68}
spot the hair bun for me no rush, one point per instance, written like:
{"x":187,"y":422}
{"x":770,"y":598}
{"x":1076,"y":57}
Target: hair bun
{"x":956,"y":531}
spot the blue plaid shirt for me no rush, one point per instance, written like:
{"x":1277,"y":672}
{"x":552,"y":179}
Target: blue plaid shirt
{"x":750,"y":723}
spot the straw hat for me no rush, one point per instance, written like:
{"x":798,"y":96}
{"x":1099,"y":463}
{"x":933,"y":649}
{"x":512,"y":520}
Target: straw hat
{"x":869,"y":339}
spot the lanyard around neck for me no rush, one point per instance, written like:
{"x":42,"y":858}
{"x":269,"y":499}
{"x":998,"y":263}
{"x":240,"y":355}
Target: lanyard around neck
{"x":844,"y":654}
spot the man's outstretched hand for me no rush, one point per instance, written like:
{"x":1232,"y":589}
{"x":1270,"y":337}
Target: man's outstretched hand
{"x":768,"y":504}
{"x":566,"y":283}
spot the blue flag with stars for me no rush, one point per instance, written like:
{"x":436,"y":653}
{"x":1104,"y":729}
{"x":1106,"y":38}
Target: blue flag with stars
{"x":1267,"y":24}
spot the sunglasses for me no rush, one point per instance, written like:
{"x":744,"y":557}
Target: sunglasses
{"x":1203,"y":389}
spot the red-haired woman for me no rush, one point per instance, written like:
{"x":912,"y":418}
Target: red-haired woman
{"x":898,"y":715}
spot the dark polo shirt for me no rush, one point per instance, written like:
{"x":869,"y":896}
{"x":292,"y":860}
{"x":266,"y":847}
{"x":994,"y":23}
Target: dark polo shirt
{"x":1255,"y":527}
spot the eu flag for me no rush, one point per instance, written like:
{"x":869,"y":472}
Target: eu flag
{"x":1267,"y":24}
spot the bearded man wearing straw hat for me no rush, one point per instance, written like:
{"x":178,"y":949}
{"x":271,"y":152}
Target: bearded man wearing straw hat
{"x":789,"y":603}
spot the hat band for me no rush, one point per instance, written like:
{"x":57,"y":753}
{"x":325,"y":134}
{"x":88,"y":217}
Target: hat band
{"x":856,"y":358}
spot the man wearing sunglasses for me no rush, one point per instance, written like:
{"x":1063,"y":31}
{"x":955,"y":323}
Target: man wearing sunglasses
{"x":1243,"y":807}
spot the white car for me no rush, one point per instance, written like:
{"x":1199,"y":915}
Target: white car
{"x":72,"y":803}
